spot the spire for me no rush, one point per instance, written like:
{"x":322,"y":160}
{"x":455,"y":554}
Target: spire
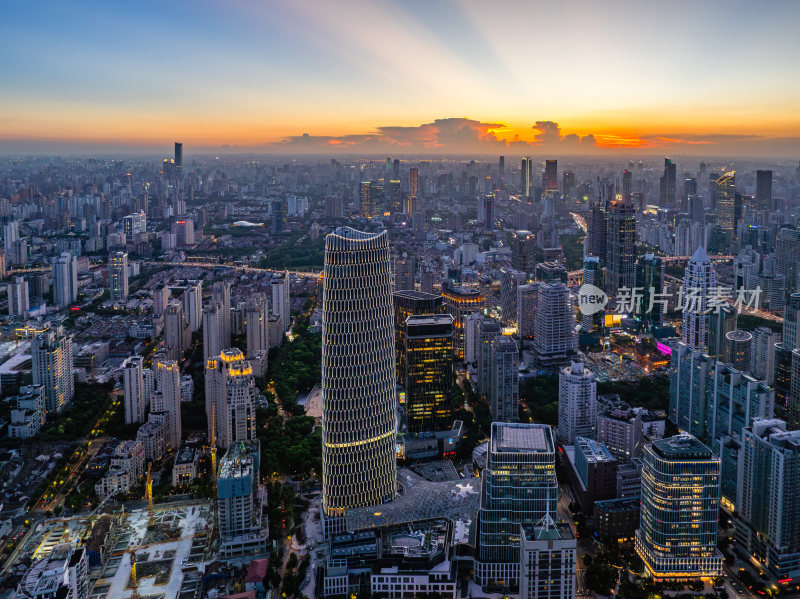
{"x":545,"y":525}
{"x":700,"y":255}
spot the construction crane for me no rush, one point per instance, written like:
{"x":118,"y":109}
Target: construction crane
{"x":149,"y":497}
{"x":134,"y":579}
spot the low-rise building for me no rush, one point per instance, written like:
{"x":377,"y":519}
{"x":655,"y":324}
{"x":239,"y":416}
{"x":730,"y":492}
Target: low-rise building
{"x":184,"y":471}
{"x":617,"y":519}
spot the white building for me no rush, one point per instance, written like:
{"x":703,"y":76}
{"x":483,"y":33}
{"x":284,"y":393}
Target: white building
{"x":18,"y":297}
{"x":136,"y":400}
{"x":230,"y":398}
{"x":698,"y":281}
{"x":281,"y":298}
{"x":118,"y":276}
{"x":577,"y":403}
{"x":547,"y":561}
{"x":65,"y":280}
{"x":51,"y":360}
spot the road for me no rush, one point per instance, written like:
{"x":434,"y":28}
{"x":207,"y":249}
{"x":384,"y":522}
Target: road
{"x":297,"y":273}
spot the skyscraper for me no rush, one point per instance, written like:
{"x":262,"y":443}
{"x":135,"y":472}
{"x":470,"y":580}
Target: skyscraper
{"x":365,"y":206}
{"x":520,"y":487}
{"x":526,"y":176}
{"x":650,"y":278}
{"x":118,"y":276}
{"x":193,"y":305}
{"x":136,"y":400}
{"x":547,"y":560}
{"x":762,"y":356}
{"x":738,"y":346}
{"x":698,"y":280}
{"x":621,"y":248}
{"x":51,"y":360}
{"x":726,"y":204}
{"x":596,"y":240}
{"x":523,"y":252}
{"x":459,"y":302}
{"x":668,"y":184}
{"x":404,"y":272}
{"x":721,"y":321}
{"x":689,"y":374}
{"x":593,"y":274}
{"x":763,"y":190}
{"x":257,"y":320}
{"x":213,"y":329}
{"x":554,"y":338}
{"x":551,"y":175}
{"x":65,"y":280}
{"x":281,"y":298}
{"x":677,"y":535}
{"x":787,"y":248}
{"x":221,"y":294}
{"x":168,"y":382}
{"x":768,"y":504}
{"x":503,"y":390}
{"x":428,"y":372}
{"x":178,"y":154}
{"x":358,"y":374}
{"x":230,"y":398}
{"x":410,"y":303}
{"x":18,"y":297}
{"x":577,"y":404}
{"x":176,"y":332}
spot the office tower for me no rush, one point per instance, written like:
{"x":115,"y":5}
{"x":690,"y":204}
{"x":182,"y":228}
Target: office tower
{"x":178,"y":154}
{"x":698,"y":281}
{"x":18,"y":297}
{"x":488,"y":214}
{"x":428,"y":375}
{"x":213,"y":331}
{"x":520,"y":487}
{"x":568,"y":184}
{"x":334,"y":206}
{"x":257,"y":319}
{"x":459,"y":302}
{"x":554,"y":339}
{"x":410,"y":303}
{"x":132,"y":224}
{"x":242,"y":531}
{"x":523,"y":252}
{"x":487,"y":330}
{"x":503,"y":389}
{"x":366,"y":208}
{"x":738,"y":345}
{"x":118,"y":276}
{"x":404,"y":272}
{"x":136,"y":400}
{"x":627,"y":185}
{"x":791,"y":322}
{"x":161,"y":294}
{"x":358,"y":374}
{"x":689,"y":373}
{"x":526,"y":176}
{"x":230,"y":398}
{"x":281,"y":298}
{"x":725,"y":207}
{"x":51,"y":363}
{"x":782,"y":378}
{"x":793,"y":395}
{"x":395,"y":197}
{"x":551,"y":175}
{"x":621,"y":249}
{"x":763,"y":191}
{"x":768,"y":504}
{"x":677,"y":535}
{"x":593,"y":274}
{"x":547,"y":560}
{"x":762,"y":354}
{"x":193,"y":305}
{"x":652,"y":306}
{"x":501,"y":171}
{"x":510,"y":281}
{"x":413,"y":183}
{"x":184,"y":232}
{"x":721,"y":321}
{"x":177,"y":337}
{"x":577,"y":404}
{"x":787,"y":248}
{"x":65,"y":280}
{"x":596,"y":240}
{"x":527,"y":297}
{"x":168,"y":380}
{"x":668,"y":183}
{"x":735,"y":399}
{"x":620,"y":428}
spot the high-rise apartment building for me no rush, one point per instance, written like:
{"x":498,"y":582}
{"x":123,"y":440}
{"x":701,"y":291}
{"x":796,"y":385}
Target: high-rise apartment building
{"x":427,"y":371}
{"x":787,"y":248}
{"x":738,"y":346}
{"x":677,"y":535}
{"x":257,"y":324}
{"x":762,"y":355}
{"x":523,"y":252}
{"x":118,"y":276}
{"x":577,"y":403}
{"x":734,"y":399}
{"x":168,"y":382}
{"x":230,"y":398}
{"x":698,"y":281}
{"x":65,"y":280}
{"x":177,"y":336}
{"x":358,"y":374}
{"x":193,"y":305}
{"x":520,"y":487}
{"x":281,"y":298}
{"x":527,"y":298}
{"x":689,"y":373}
{"x":213,"y":330}
{"x":405,"y":267}
{"x":221,"y":294}
{"x":136,"y":400}
{"x":721,"y":321}
{"x":161,"y":295}
{"x":18,"y":297}
{"x":51,"y":360}
{"x":768,"y":503}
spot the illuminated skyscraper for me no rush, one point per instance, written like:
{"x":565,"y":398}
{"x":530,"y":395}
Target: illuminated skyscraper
{"x":428,"y":372}
{"x":410,"y":303}
{"x":577,"y":403}
{"x":677,"y":535}
{"x":690,"y":371}
{"x":51,"y":361}
{"x":118,"y":276}
{"x":621,"y":250}
{"x":459,"y":302}
{"x":358,"y":373}
{"x":526,"y":176}
{"x":365,"y":209}
{"x":726,"y":204}
{"x":168,"y":398}
{"x":698,"y":280}
{"x":231,"y":395}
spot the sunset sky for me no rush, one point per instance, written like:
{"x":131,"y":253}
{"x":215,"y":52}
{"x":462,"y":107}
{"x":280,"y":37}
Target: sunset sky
{"x":694,"y":77}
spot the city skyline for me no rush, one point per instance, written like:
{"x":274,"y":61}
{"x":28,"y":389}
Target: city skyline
{"x":400,"y":78}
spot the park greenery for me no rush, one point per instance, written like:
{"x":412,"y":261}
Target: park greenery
{"x":298,"y":253}
{"x":91,"y":401}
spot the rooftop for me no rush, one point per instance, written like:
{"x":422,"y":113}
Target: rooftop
{"x":507,"y":436}
{"x":624,"y":504}
{"x":683,"y":446}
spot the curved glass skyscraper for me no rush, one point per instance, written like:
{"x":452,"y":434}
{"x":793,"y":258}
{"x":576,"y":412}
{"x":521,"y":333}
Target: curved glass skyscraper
{"x":358,"y":372}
